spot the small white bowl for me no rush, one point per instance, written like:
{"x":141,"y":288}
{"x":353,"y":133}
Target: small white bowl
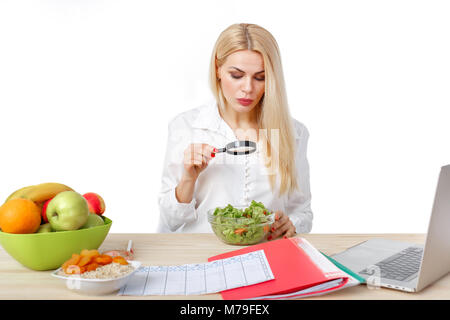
{"x":96,"y":286}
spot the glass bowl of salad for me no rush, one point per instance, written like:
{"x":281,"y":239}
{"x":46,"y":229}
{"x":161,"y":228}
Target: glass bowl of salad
{"x":241,"y":225}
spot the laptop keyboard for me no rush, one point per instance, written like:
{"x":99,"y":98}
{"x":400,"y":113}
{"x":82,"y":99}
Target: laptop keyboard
{"x":400,"y":266}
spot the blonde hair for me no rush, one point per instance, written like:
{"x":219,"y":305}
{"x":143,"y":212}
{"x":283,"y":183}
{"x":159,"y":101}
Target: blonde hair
{"x":272,"y":111}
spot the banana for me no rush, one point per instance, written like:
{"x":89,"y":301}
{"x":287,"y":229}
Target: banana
{"x":44,"y":191}
{"x":19,"y":193}
{"x":40,"y":192}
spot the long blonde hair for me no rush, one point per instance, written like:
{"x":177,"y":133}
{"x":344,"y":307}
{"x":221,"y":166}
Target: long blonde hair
{"x":273,"y":111}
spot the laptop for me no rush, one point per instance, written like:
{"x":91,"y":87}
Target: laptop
{"x":407,"y":266}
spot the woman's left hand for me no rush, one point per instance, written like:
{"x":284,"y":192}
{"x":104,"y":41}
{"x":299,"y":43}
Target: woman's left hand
{"x":282,"y":226}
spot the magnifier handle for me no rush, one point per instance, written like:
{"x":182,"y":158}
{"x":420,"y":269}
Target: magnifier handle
{"x":221,"y":150}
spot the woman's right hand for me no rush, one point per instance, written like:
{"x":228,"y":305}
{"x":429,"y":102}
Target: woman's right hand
{"x":196,"y":159}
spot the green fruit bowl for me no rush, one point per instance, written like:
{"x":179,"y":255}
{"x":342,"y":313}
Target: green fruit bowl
{"x":48,"y":251}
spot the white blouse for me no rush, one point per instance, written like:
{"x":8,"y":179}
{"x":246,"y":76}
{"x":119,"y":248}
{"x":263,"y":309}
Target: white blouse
{"x":228,"y":179}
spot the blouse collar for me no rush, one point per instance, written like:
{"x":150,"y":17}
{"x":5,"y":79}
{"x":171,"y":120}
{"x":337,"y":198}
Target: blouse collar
{"x":209,"y":118}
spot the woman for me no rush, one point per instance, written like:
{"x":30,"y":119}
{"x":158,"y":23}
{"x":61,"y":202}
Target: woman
{"x":247,"y":81}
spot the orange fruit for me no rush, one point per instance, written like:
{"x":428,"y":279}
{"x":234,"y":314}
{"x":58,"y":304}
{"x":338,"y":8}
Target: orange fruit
{"x":120,"y":260}
{"x":20,"y":216}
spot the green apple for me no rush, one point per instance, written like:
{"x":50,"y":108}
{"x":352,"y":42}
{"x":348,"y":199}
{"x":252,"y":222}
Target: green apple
{"x":93,"y":220}
{"x":68,"y":210}
{"x":45,"y":228}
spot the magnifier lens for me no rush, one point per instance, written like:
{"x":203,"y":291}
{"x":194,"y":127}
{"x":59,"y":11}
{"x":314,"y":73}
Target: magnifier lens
{"x":241,"y":147}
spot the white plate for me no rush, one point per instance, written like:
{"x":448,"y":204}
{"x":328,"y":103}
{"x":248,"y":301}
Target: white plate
{"x":96,"y":286}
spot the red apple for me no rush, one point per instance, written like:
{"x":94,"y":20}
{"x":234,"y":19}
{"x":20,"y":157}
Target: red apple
{"x":44,"y":210}
{"x":95,"y":203}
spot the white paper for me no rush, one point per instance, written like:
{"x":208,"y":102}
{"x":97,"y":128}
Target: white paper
{"x":135,"y":286}
{"x":157,"y":277}
{"x":234,"y":272}
{"x":215,"y":277}
{"x":195,"y":279}
{"x":202,"y":278}
{"x":325,"y":265}
{"x":313,"y":291}
{"x":176,"y":280}
{"x":256,"y":268}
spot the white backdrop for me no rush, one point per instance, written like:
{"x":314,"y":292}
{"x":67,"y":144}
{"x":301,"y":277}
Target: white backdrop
{"x":87,"y":89}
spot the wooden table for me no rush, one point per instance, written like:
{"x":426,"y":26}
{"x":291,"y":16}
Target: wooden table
{"x":18,"y":282}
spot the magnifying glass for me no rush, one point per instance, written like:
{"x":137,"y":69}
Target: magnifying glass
{"x":239,"y":147}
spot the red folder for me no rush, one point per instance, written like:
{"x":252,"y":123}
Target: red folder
{"x":293,"y":268}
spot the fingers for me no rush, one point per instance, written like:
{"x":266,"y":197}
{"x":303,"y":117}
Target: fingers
{"x":197,"y":158}
{"x":290,"y":233}
{"x":201,"y":149}
{"x":198,"y":154}
{"x":281,"y":227}
{"x":280,"y":219}
{"x":205,"y":149}
{"x":281,"y":230}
